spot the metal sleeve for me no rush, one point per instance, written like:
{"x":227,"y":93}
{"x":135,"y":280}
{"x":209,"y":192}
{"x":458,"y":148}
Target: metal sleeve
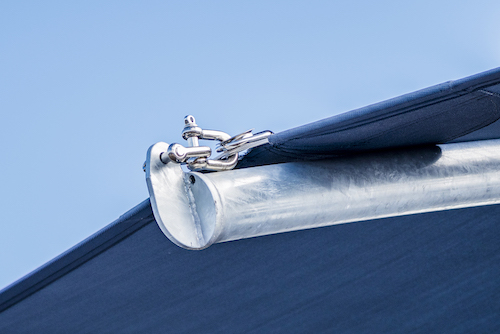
{"x":278,"y":198}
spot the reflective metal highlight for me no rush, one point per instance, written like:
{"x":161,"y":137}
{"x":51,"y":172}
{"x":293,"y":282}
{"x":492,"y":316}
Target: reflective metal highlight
{"x":197,"y":158}
{"x":196,"y":210}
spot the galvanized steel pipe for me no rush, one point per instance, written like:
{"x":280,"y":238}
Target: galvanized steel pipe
{"x":196,"y":210}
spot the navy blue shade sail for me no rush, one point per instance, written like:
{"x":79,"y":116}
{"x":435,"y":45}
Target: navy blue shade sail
{"x":426,"y":273}
{"x":435,"y":115}
{"x":432,"y":272}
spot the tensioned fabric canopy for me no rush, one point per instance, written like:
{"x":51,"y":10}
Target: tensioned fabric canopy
{"x":425,"y":272}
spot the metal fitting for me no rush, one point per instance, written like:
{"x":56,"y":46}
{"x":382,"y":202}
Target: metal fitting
{"x":197,"y":157}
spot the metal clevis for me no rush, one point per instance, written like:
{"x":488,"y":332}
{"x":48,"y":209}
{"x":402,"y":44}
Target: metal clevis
{"x":197,"y":158}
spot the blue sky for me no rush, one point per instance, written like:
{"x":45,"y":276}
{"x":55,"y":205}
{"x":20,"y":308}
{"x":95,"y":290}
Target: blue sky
{"x":87,"y":87}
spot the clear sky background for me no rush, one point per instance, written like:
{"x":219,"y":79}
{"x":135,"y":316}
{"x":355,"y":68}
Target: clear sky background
{"x":87,"y":86}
